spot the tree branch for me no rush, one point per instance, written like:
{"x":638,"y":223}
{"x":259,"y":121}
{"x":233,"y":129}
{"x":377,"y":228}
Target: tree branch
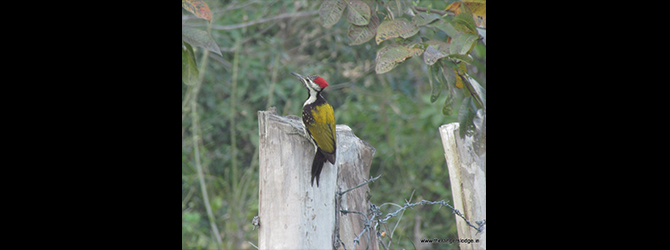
{"x":198,"y":166}
{"x":242,"y":25}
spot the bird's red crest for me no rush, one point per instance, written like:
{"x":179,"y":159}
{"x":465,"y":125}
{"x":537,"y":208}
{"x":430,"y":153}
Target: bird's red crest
{"x":321,"y":82}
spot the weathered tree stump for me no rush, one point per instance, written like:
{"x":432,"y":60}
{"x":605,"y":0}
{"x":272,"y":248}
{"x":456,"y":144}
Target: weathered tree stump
{"x":467,"y":173}
{"x":294,"y":214}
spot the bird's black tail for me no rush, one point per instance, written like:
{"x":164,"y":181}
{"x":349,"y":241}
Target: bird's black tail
{"x":317,"y":166}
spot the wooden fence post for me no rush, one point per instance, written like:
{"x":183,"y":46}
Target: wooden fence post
{"x":353,"y":169}
{"x":292,"y":213}
{"x":467,"y":173}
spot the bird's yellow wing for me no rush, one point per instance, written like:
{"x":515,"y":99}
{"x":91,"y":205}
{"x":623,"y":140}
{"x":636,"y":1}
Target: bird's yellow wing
{"x":323,"y":129}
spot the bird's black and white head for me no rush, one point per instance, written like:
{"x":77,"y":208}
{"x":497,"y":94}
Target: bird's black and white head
{"x":312,"y":82}
{"x":314,"y":85}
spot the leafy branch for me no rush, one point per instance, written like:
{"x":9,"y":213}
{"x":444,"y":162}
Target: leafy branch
{"x":399,"y":38}
{"x":195,"y":37}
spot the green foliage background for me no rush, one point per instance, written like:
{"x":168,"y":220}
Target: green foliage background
{"x":391,"y":111}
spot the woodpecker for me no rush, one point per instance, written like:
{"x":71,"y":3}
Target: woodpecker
{"x":319,"y":120}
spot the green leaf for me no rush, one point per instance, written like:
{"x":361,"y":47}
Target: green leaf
{"x":189,"y":69}
{"x":396,"y":7}
{"x":435,"y":88}
{"x":421,"y":46}
{"x":463,"y":58}
{"x":435,"y":50}
{"x":423,"y":18}
{"x":464,"y":22}
{"x":430,"y":81}
{"x":431,"y":55}
{"x":479,"y":92}
{"x":448,"y":72}
{"x":199,"y":38}
{"x":441,"y":78}
{"x":331,"y":11}
{"x":446,"y":27}
{"x":358,"y":13}
{"x":447,"y":109}
{"x":398,"y":27}
{"x":361,"y":34}
{"x":465,"y":115}
{"x":462,"y":44}
{"x":198,"y":8}
{"x":389,"y":56}
{"x":383,"y":63}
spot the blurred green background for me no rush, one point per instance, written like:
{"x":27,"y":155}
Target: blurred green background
{"x":391,"y":112}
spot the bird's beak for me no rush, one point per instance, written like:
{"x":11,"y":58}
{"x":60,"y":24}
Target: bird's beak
{"x":300,"y":78}
{"x":297,"y":75}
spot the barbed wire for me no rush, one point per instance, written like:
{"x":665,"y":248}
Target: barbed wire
{"x":337,"y":241}
{"x":425,"y":202}
{"x":376,"y":217}
{"x":376,"y":212}
{"x":360,"y":185}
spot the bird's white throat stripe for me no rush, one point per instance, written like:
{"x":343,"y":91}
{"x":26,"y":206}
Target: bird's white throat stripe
{"x":311,"y":99}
